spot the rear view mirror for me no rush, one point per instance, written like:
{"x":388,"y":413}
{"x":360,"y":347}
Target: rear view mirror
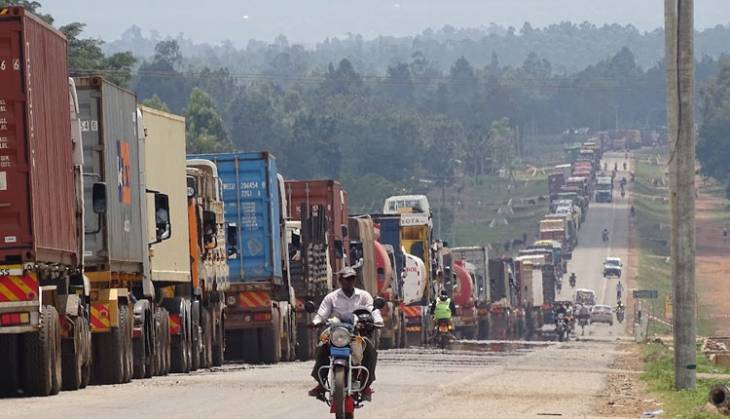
{"x":378,"y":303}
{"x":309,"y":307}
{"x":345,"y":230}
{"x":192,"y":187}
{"x":210,"y":227}
{"x":232,"y":240}
{"x":163,"y":228}
{"x":98,"y":197}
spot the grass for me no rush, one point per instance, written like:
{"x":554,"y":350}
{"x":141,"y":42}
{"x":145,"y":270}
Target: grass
{"x":659,"y":376}
{"x":481,"y":204}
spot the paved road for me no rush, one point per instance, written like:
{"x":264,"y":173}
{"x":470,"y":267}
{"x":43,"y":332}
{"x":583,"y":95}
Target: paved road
{"x":492,"y":380}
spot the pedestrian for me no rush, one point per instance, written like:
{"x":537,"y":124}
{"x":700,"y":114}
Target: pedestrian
{"x":724,"y":234}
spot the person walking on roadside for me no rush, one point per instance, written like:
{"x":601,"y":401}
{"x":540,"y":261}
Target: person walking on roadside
{"x":724,"y":234}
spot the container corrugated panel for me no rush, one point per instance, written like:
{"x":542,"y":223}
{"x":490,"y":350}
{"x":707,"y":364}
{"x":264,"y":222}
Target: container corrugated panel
{"x":37,"y":201}
{"x":325,"y":192}
{"x":253,"y":202}
{"x":112,"y":154}
{"x":165,"y":172}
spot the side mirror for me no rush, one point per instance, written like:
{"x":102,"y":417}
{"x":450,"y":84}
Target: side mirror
{"x":192,"y":187}
{"x":378,"y":303}
{"x":210,"y":227}
{"x":345,"y":230}
{"x":98,"y":197}
{"x":309,"y":307}
{"x":163,"y":228}
{"x":339,"y":249}
{"x":232,"y":240}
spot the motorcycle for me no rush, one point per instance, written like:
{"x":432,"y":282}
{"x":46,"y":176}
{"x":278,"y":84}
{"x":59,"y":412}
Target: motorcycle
{"x":620,"y":314}
{"x":561,"y":327}
{"x":344,"y":378}
{"x":558,"y":286}
{"x":604,"y":236}
{"x":572,"y":281}
{"x":442,"y":336}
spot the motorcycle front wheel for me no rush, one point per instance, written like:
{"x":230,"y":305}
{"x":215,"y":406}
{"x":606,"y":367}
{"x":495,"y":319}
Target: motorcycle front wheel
{"x":338,"y":393}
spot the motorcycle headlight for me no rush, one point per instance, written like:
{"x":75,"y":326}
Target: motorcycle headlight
{"x":340,"y":338}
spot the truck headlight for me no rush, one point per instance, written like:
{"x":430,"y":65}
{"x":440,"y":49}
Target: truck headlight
{"x":340,"y":338}
{"x":231,"y":300}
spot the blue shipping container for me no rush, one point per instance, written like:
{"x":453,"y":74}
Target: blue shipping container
{"x":252,"y":201}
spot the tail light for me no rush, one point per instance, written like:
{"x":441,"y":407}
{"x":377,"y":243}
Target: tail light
{"x":14,"y":319}
{"x":262,"y":317}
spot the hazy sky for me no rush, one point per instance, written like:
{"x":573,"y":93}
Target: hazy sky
{"x":313,"y":20}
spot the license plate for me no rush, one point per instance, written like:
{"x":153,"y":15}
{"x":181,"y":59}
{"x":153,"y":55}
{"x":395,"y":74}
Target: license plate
{"x":11,"y":270}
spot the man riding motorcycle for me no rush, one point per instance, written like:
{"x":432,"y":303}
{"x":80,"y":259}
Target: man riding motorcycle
{"x":604,"y":235}
{"x":572,"y":280}
{"x":620,"y":311}
{"x":443,"y":308}
{"x":341,"y":303}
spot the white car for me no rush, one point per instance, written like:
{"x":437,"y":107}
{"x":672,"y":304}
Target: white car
{"x":612,"y":267}
{"x":602,"y":314}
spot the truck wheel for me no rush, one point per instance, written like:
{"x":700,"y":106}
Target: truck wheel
{"x":286,"y":347}
{"x":56,"y":359}
{"x":38,"y":360}
{"x":220,"y":344}
{"x":270,"y":341}
{"x":207,"y":324}
{"x":165,"y":347}
{"x":87,"y":359}
{"x":127,"y":352}
{"x":195,"y":344}
{"x":72,"y":358}
{"x":108,"y":356}
{"x":179,"y":353}
{"x":9,"y":380}
{"x":303,"y":345}
{"x":138,"y":351}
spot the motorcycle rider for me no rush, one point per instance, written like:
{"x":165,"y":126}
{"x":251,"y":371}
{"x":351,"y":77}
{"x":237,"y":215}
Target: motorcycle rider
{"x":619,"y":290}
{"x":443,"y":308}
{"x":620,"y":311}
{"x":604,"y":235}
{"x":573,"y":280}
{"x":341,"y":303}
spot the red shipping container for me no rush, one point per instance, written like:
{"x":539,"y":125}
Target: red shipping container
{"x":321,"y":192}
{"x":37,"y":201}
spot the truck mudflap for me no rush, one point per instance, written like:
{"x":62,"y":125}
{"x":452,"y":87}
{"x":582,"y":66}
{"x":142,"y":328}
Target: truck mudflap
{"x":104,"y":310}
{"x":17,"y":285}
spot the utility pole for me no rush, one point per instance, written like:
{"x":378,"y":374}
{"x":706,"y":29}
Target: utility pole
{"x":679,"y":38}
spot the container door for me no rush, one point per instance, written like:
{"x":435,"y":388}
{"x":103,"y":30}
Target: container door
{"x":15,"y":208}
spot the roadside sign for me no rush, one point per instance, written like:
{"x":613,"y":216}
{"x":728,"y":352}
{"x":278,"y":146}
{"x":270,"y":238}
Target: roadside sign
{"x":646,"y":294}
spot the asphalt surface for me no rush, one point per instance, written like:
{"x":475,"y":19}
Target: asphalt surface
{"x":473,"y":380}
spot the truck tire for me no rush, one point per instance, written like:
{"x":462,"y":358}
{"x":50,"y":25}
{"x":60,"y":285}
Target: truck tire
{"x":87,"y":367}
{"x":109,"y":356}
{"x":304,"y":350}
{"x":165,"y":348}
{"x":206,"y":360}
{"x":9,"y":380}
{"x":270,"y":341}
{"x":288,"y":341}
{"x":179,"y":353}
{"x":235,"y":347}
{"x":56,"y":359}
{"x":38,"y":357}
{"x":219,"y":346}
{"x":72,"y":358}
{"x":138,"y":352}
{"x":127,"y":353}
{"x":195,"y":344}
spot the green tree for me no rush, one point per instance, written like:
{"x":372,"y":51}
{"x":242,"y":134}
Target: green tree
{"x":155,"y":102}
{"x":32,"y":6}
{"x":713,"y":145}
{"x":85,"y":57}
{"x":205,"y":130}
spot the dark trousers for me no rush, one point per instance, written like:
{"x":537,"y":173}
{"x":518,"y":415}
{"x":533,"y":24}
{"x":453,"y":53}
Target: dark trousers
{"x":369,"y":360}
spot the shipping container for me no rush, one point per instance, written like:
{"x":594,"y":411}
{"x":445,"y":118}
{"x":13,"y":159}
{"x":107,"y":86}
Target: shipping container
{"x":38,"y":214}
{"x":252,"y":202}
{"x":116,"y":240}
{"x":165,"y":172}
{"x":330,"y":194}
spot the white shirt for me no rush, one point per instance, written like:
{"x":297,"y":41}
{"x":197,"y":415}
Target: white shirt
{"x":338,"y":304}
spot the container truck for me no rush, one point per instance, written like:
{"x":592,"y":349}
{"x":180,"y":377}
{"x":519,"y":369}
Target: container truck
{"x":309,"y":270}
{"x":117,"y":248}
{"x":208,"y":258}
{"x":44,"y":328}
{"x":330,"y":194}
{"x":604,"y":189}
{"x":260,"y":323}
{"x":502,"y":308}
{"x":529,"y":275}
{"x":415,"y":237}
{"x":464,"y":295}
{"x":326,"y":201}
{"x":476,"y":261}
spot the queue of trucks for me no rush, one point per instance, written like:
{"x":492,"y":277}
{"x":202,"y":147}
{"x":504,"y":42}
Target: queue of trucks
{"x":122,"y":258}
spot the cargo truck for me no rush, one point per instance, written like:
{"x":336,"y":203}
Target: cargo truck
{"x":44,"y":328}
{"x":208,"y":259}
{"x":604,"y":189}
{"x":464,"y":295}
{"x":476,"y":261}
{"x":309,"y":270}
{"x":528,"y":270}
{"x":260,"y":323}
{"x":503,"y":314}
{"x":415,"y":236}
{"x":117,"y":246}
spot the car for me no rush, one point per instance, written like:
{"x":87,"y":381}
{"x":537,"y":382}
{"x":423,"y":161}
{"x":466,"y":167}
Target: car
{"x":585,"y":297}
{"x":602,"y":314}
{"x":612,"y":267}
